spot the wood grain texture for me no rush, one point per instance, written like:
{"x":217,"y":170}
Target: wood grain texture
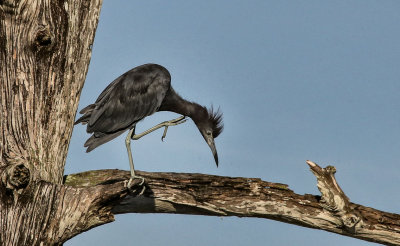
{"x":45,"y":49}
{"x":51,"y":214}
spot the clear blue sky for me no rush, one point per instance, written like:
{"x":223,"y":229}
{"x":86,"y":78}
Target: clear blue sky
{"x":296,"y":80}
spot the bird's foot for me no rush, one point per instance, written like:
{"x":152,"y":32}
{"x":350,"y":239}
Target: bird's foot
{"x":131,"y":183}
{"x":173,"y":122}
{"x":165,"y":124}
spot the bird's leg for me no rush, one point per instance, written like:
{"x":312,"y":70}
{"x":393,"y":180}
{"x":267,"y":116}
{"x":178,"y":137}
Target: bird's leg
{"x":128,"y":148}
{"x":165,"y":124}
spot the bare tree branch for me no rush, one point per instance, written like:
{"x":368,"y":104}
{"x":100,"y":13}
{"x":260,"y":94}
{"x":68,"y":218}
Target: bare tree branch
{"x":201,"y":194}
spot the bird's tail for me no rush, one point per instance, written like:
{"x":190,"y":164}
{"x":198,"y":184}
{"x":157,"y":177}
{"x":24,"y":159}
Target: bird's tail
{"x":98,"y":139}
{"x":87,"y":113}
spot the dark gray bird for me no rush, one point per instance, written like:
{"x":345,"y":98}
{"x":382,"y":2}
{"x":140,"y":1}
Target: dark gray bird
{"x":138,"y":93}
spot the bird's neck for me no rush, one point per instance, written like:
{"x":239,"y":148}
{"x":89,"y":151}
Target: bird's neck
{"x":175,"y":103}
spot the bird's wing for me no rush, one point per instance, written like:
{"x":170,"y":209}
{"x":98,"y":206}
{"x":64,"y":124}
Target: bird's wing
{"x":127,"y":100}
{"x":110,"y":87}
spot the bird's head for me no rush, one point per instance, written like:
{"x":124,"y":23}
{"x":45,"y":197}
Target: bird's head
{"x":209,"y":123}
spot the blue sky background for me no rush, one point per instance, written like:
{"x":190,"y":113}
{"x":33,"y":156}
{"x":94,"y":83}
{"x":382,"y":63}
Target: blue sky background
{"x":296,"y":80}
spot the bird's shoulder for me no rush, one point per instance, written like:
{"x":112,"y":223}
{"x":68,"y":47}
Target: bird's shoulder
{"x":137,"y":81}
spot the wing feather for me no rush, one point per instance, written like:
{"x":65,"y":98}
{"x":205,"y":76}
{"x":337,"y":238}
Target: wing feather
{"x":128,"y":99}
{"x":128,"y":103}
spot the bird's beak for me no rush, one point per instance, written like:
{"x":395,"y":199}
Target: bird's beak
{"x":211,"y":143}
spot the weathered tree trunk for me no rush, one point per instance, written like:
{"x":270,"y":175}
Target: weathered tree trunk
{"x":45,"y":49}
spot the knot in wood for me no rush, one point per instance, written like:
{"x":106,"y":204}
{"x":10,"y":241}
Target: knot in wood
{"x":350,"y":221}
{"x":16,"y":177}
{"x":8,"y":6}
{"x":43,"y":38}
{"x":330,"y":169}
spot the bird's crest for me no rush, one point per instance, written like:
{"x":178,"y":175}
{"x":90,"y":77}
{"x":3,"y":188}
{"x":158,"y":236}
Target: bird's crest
{"x":215,"y":117}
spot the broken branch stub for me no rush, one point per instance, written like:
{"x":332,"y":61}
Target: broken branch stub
{"x":333,"y":198}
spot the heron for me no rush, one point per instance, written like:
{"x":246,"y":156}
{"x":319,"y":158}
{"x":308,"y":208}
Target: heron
{"x":136,"y":94}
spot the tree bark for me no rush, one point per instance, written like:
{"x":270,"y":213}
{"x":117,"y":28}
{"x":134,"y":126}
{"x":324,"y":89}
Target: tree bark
{"x":45,"y":49}
{"x":199,"y":194}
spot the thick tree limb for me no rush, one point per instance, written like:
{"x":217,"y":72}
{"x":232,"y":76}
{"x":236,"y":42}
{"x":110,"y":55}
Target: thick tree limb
{"x":51,"y":214}
{"x":201,"y":194}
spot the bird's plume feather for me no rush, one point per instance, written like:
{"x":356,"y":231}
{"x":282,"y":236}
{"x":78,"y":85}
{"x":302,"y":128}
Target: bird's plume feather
{"x":215,"y":117}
